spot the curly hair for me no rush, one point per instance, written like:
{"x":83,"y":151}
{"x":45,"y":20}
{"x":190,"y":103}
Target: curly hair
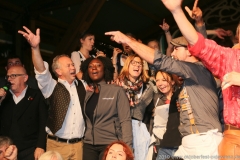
{"x":126,"y":149}
{"x":108,"y":69}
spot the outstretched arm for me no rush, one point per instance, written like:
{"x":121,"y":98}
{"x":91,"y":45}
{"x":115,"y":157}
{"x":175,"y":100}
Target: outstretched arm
{"x":184,"y":25}
{"x":34,"y":41}
{"x":142,"y":50}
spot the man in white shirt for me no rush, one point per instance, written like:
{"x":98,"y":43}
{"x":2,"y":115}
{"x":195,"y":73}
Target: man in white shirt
{"x":65,"y":125}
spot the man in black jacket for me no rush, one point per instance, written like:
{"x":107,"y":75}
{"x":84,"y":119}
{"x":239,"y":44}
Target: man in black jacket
{"x":23,"y":115}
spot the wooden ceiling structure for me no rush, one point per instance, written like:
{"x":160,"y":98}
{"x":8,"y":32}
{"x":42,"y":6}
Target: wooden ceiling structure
{"x":61,"y":21}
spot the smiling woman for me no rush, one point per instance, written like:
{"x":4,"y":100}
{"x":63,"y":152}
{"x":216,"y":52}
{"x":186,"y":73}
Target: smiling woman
{"x":135,"y":81}
{"x":106,"y":109}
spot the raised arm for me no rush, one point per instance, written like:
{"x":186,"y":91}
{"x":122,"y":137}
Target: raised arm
{"x":184,"y":25}
{"x":34,"y":41}
{"x":196,"y":14}
{"x":165,"y":27}
{"x":142,"y":50}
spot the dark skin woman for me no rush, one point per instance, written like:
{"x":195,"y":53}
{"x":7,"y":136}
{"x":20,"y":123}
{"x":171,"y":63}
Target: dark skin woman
{"x":106,"y":109}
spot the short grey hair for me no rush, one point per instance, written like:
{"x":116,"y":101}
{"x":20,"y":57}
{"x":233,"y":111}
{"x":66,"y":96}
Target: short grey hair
{"x":50,"y":155}
{"x":55,"y":64}
{"x":5,"y":141}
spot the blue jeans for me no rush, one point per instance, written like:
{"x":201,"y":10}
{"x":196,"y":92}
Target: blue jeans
{"x":166,"y":153}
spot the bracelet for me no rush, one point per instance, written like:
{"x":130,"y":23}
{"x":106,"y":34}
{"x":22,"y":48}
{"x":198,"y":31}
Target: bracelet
{"x":167,"y":31}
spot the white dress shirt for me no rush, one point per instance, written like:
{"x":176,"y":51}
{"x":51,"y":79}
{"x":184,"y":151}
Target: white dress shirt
{"x":73,"y":124}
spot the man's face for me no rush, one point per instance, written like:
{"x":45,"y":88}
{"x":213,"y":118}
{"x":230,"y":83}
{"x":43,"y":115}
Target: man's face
{"x":126,"y":47}
{"x":66,"y":71}
{"x":153,"y":45}
{"x":17,"y":77}
{"x":13,"y":62}
{"x":180,"y":53}
{"x":88,"y":42}
{"x":2,"y":152}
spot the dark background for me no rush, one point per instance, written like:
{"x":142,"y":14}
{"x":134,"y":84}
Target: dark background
{"x":61,"y":21}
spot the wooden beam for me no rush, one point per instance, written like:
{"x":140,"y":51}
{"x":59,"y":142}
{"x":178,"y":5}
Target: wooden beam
{"x":50,"y":5}
{"x":10,"y":6}
{"x":53,"y":22}
{"x":141,"y":10}
{"x":81,"y":22}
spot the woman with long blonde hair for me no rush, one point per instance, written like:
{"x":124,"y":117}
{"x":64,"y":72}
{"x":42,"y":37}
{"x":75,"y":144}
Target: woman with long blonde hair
{"x":135,"y":81}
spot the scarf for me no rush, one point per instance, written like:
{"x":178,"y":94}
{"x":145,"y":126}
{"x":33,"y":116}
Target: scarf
{"x":132,"y":90}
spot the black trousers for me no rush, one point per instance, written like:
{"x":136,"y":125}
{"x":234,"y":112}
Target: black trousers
{"x":93,"y":152}
{"x":27,"y":154}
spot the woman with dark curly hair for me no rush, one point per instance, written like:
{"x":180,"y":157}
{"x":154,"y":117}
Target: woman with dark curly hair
{"x":106,"y":110}
{"x":118,"y":150}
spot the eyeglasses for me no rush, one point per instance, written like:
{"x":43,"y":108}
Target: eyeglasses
{"x":13,"y":76}
{"x":135,"y":63}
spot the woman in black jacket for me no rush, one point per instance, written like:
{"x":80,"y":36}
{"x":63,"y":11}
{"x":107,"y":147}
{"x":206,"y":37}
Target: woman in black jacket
{"x":106,"y":109}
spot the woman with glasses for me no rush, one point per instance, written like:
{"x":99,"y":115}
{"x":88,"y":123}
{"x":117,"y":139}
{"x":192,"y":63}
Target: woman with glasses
{"x":135,"y":81}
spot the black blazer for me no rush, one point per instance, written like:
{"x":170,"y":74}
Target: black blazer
{"x":25,"y":122}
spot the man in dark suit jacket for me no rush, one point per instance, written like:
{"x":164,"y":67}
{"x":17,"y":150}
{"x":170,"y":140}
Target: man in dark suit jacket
{"x":23,"y":115}
{"x":14,"y":60}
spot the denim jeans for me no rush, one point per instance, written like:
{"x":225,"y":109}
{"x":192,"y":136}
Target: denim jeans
{"x":166,"y":153}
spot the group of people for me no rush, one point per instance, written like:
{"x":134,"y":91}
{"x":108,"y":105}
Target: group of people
{"x":106,"y":109}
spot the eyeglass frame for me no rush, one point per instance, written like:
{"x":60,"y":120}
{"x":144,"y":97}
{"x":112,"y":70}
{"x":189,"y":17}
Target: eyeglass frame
{"x":134,"y":63}
{"x":13,"y":76}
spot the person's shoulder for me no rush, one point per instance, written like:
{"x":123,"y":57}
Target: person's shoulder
{"x":74,"y":53}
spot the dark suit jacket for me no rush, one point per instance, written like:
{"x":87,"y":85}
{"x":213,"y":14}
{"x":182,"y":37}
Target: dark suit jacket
{"x":24,"y":122}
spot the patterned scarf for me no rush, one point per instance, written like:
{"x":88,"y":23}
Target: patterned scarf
{"x":132,"y":90}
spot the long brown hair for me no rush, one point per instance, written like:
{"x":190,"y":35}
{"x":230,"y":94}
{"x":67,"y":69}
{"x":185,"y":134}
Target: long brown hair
{"x":125,"y":72}
{"x":126,"y":149}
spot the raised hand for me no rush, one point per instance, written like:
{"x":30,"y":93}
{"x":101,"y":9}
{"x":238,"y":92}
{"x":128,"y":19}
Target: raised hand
{"x":116,"y":51}
{"x":164,"y":26}
{"x":32,"y":39}
{"x":221,"y":33}
{"x":172,"y":5}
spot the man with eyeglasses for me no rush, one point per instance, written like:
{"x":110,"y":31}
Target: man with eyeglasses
{"x":14,"y":60}
{"x":23,"y":115}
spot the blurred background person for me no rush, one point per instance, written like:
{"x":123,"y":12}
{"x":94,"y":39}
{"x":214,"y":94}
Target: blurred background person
{"x":119,"y":151}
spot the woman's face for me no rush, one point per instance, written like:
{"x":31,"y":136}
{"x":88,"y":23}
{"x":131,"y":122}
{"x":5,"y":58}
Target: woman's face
{"x":116,"y":152}
{"x":96,"y":70}
{"x":163,"y":85}
{"x":135,"y":69}
{"x":88,"y":42}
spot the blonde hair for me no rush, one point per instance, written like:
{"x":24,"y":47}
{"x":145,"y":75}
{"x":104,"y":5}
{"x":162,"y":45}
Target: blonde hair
{"x":50,"y":155}
{"x":125,"y":73}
